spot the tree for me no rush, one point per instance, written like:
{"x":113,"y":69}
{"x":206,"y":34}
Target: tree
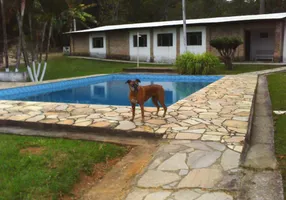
{"x":5,"y":40}
{"x":20,"y":17}
{"x":226,"y":46}
{"x":262,"y":7}
{"x":42,"y":18}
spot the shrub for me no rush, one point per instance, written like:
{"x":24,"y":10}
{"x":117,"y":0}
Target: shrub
{"x":226,"y":46}
{"x":200,"y":64}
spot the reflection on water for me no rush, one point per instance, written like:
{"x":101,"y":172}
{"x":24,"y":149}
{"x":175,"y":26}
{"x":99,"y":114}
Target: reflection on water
{"x":116,"y":93}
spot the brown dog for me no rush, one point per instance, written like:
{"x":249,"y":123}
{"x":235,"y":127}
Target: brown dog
{"x":140,"y":94}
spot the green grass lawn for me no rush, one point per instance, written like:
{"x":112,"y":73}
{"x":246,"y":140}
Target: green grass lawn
{"x":237,"y":69}
{"x":51,"y":168}
{"x":277,"y":89}
{"x":64,"y":67}
{"x":280,"y":145}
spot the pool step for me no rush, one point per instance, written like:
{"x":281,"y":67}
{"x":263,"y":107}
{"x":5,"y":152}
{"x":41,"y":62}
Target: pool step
{"x":150,"y":70}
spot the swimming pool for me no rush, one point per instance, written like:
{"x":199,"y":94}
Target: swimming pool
{"x":107,"y":89}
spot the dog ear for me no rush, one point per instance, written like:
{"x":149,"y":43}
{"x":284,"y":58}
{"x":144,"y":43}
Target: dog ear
{"x":138,"y":80}
{"x":128,"y":81}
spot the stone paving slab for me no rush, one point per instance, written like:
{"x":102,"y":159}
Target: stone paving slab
{"x":185,"y":194}
{"x":218,"y":112}
{"x":183,"y":169}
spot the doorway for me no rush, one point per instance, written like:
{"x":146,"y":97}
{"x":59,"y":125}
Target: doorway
{"x":247,"y":41}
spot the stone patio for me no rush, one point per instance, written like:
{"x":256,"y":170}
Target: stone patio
{"x":186,"y":170}
{"x":218,"y":112}
{"x":204,"y":137}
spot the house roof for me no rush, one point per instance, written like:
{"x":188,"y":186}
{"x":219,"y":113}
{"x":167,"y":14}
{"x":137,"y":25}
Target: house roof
{"x":189,"y":22}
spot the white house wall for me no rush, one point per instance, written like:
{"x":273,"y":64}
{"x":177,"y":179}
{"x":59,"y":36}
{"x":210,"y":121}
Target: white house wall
{"x":197,"y":49}
{"x":144,"y":52}
{"x":164,"y":54}
{"x":258,"y":43}
{"x":97,"y":52}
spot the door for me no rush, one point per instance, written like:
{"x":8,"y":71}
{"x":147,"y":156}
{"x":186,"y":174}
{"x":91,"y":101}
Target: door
{"x":247,"y":41}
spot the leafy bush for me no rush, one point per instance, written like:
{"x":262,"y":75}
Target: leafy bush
{"x":226,"y":46}
{"x":200,"y":64}
{"x":226,"y":43}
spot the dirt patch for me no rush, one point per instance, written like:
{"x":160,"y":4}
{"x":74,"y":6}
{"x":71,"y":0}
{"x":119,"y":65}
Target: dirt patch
{"x":112,"y":179}
{"x":87,"y":182}
{"x":32,"y":150}
{"x":118,"y":181}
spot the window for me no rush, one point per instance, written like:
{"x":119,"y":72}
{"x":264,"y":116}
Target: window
{"x":142,"y":41}
{"x":165,"y":40}
{"x":263,"y":35}
{"x":194,"y":38}
{"x":97,"y":42}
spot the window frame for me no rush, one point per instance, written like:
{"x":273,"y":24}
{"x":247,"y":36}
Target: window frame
{"x":101,"y":46}
{"x":199,"y":42}
{"x":143,"y":40}
{"x":160,"y":41}
{"x":263,"y":35}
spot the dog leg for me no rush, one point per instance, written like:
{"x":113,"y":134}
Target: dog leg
{"x":133,"y":111}
{"x":165,"y":110}
{"x":155,"y":102}
{"x":142,"y":112}
{"x":162,"y":102}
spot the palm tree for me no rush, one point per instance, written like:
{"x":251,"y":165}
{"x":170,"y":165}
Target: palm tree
{"x":5,"y":40}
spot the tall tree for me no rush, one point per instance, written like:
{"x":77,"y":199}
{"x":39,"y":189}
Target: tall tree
{"x":262,"y":7}
{"x":5,"y":39}
{"x":20,"y":17}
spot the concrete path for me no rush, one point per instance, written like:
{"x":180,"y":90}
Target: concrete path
{"x":262,"y":179}
{"x":264,"y":72}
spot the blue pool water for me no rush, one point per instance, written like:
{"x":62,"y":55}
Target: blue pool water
{"x":107,"y":90}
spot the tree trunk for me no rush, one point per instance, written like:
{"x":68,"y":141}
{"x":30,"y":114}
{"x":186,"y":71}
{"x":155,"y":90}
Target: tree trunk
{"x":43,"y":35}
{"x":47,"y":50}
{"x":262,"y":7}
{"x":20,"y":17}
{"x":5,"y":40}
{"x":18,"y":53}
{"x":166,"y":10}
{"x":25,"y":52}
{"x":1,"y":59}
{"x":31,"y":37}
{"x":228,"y":63}
{"x":49,"y":40}
{"x":116,"y":6}
{"x":26,"y":59}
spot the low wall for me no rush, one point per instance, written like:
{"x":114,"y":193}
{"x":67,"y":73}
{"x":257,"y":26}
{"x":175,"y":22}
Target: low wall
{"x":13,"y":77}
